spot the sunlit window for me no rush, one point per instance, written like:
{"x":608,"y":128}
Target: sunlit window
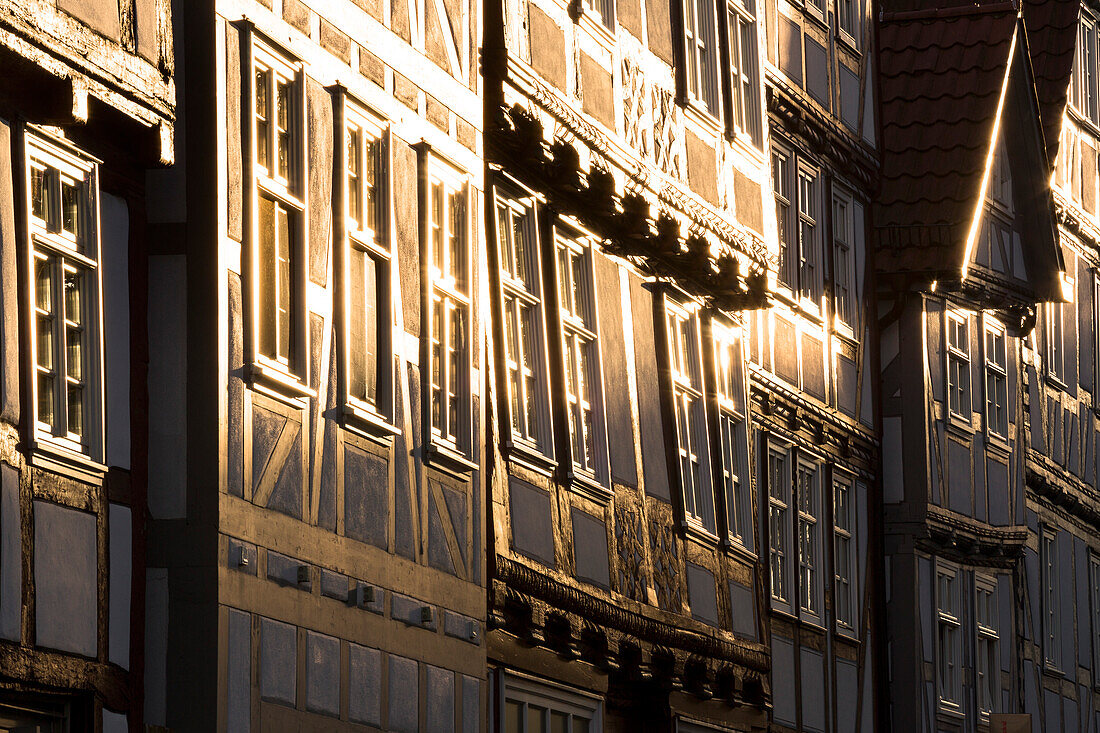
{"x":685,"y":366}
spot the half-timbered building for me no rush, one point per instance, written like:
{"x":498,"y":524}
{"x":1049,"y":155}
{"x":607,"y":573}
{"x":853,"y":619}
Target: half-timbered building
{"x":684,"y":422}
{"x":86,"y":108}
{"x":316,"y":557}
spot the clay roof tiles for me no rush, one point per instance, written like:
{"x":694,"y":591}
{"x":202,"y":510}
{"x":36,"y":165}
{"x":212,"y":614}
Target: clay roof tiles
{"x":941,"y":72}
{"x":1051,"y":38}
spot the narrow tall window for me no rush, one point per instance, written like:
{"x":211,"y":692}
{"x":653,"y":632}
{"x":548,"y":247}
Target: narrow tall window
{"x":1048,"y":550}
{"x":987,"y":670}
{"x":816,"y":7}
{"x":602,"y":11}
{"x":779,"y":522}
{"x":958,"y":364}
{"x":700,"y":52}
{"x":948,"y":638}
{"x":1056,"y":341}
{"x":843,"y":553}
{"x":744,"y":74}
{"x":843,"y":232}
{"x":524,"y":343}
{"x":729,"y":368}
{"x":1094,"y":580}
{"x":449,"y":309}
{"x":691,"y":430}
{"x":580,"y":348}
{"x":368,"y":312}
{"x":809,"y":538}
{"x":784,"y":197}
{"x":64,"y":270}
{"x":848,"y":18}
{"x":996,"y":381}
{"x":809,"y":273}
{"x":279,"y":250}
{"x":1083,"y":90}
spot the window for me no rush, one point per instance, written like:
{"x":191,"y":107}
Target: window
{"x":848,"y":18}
{"x":1083,"y":89}
{"x":531,"y":706}
{"x":744,"y":69}
{"x":797,"y":195}
{"x":448,"y":308}
{"x":279,"y":251}
{"x":958,"y":364}
{"x":986,"y":668}
{"x":524,"y":343}
{"x":369,"y":321}
{"x":948,"y":638}
{"x":700,"y":53}
{"x":779,"y":522}
{"x":843,"y":554}
{"x":1094,"y":579}
{"x":731,"y":393}
{"x":809,"y":538}
{"x":996,"y":381}
{"x":1049,"y":571}
{"x":581,"y":356}
{"x":64,"y":263}
{"x":1056,"y":356}
{"x":602,"y":11}
{"x":685,"y":365}
{"x":816,"y":8}
{"x":843,"y":237}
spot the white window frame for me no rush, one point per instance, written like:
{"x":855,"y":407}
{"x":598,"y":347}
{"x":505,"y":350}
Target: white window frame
{"x":1094,"y":587}
{"x":959,"y":396}
{"x":844,"y":534}
{"x":68,"y":250}
{"x":816,"y":8}
{"x":579,"y":326}
{"x":798,"y":187}
{"x":809,"y":539}
{"x":282,"y":361}
{"x":780,"y":523}
{"x":845,"y":297}
{"x":685,"y":363}
{"x":525,"y":692}
{"x":448,"y":397}
{"x":366,"y":243}
{"x":1054,"y":342}
{"x":744,"y":76}
{"x":732,"y":398}
{"x":848,"y":20}
{"x":997,"y":408}
{"x":526,"y":374}
{"x":1083,"y":88}
{"x":949,"y":662}
{"x":700,"y":50}
{"x":1048,"y":571}
{"x":987,"y":669}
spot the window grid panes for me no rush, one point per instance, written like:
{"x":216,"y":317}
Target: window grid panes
{"x":948,"y":639}
{"x":1083,"y":88}
{"x":958,"y":365}
{"x":449,"y":311}
{"x":729,"y":368}
{"x":577,"y":307}
{"x":744,"y":69}
{"x":996,"y":381}
{"x":1056,"y":341}
{"x":779,"y":525}
{"x":986,"y":667}
{"x":1049,"y":564}
{"x":847,"y":17}
{"x":701,"y":48}
{"x":64,"y":262}
{"x":842,"y":260}
{"x":1094,"y":580}
{"x":843,"y":556}
{"x":521,"y":287}
{"x":534,"y":707}
{"x":691,"y":431}
{"x":809,"y":530}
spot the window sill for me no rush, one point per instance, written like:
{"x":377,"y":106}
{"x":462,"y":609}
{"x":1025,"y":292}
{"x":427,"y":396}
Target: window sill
{"x":846,"y":632}
{"x":735,"y":548}
{"x":368,"y":423}
{"x":997,"y":444}
{"x":696,"y":110}
{"x":744,"y":142}
{"x":449,"y":459}
{"x":951,"y":710}
{"x":529,"y":458}
{"x":812,"y":13}
{"x":848,"y":42}
{"x":958,"y":426}
{"x":697,"y":532}
{"x":281,"y":385}
{"x":50,"y":456}
{"x":587,"y":486}
{"x":593,"y":23}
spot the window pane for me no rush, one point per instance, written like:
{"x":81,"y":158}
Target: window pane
{"x":76,"y":410}
{"x":39,"y":193}
{"x":263,"y":116}
{"x":70,"y":207}
{"x":513,"y":717}
{"x":559,"y":722}
{"x":536,"y":719}
{"x":46,"y":400}
{"x":282,"y":134}
{"x":266,"y":268}
{"x":284,"y":284}
{"x":355,"y":200}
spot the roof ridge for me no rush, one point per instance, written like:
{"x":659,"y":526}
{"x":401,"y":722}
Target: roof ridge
{"x":952,"y":12}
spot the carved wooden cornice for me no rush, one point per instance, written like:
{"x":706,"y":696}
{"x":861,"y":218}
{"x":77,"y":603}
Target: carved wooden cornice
{"x":1061,"y":488}
{"x":1070,"y":217}
{"x":968,"y":540}
{"x":778,"y":405}
{"x":821,"y":135}
{"x":624,"y":220}
{"x":541,"y":611}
